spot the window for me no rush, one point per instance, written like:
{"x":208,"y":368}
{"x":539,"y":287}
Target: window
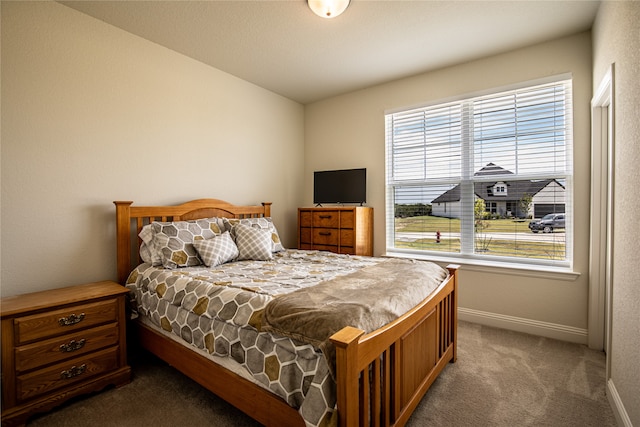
{"x":473,"y":178}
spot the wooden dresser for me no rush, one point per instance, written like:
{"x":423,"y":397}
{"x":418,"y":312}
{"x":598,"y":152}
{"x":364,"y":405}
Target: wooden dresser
{"x":343,"y":230}
{"x":60,"y":343}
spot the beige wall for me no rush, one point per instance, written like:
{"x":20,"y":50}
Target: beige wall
{"x":616,"y":38}
{"x":92,"y":114}
{"x":348,"y":131}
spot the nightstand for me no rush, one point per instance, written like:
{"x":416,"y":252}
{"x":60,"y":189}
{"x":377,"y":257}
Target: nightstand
{"x":60,"y":343}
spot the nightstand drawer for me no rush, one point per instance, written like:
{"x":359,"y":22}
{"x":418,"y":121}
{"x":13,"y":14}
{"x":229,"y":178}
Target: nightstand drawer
{"x":63,"y":321}
{"x":63,"y":374}
{"x":54,"y":350}
{"x":325,"y":236}
{"x":330,"y":219}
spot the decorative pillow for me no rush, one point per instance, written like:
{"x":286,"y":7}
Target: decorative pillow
{"x":264,"y":223}
{"x":173,"y":241}
{"x":253,"y":243}
{"x":217,"y":250}
{"x":147,"y":247}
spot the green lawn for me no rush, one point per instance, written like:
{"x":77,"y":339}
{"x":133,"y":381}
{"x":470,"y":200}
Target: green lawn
{"x":551,"y":249}
{"x":452,"y":225}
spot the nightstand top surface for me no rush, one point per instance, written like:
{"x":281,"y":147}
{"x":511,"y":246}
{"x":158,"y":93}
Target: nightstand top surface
{"x":35,"y":301}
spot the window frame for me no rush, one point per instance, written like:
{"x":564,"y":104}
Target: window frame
{"x":467,"y":253}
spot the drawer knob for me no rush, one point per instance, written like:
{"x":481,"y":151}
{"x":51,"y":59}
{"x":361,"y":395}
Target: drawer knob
{"x":325,"y":233}
{"x":71,"y":319}
{"x":325,"y":216}
{"x":72,"y":346}
{"x":73,"y":372}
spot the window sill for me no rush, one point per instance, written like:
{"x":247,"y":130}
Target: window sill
{"x":495,"y":267}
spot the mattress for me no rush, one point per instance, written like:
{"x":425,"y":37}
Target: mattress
{"x":218,"y":311}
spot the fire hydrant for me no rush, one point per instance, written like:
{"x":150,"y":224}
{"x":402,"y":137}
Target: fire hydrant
{"x":438,"y":236}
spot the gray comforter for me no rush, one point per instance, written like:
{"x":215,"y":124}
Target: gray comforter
{"x":366,"y":299}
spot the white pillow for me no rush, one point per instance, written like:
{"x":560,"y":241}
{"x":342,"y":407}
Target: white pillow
{"x":253,"y":243}
{"x":217,"y":250}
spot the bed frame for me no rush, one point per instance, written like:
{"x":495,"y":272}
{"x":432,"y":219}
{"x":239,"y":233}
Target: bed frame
{"x":381,"y":376}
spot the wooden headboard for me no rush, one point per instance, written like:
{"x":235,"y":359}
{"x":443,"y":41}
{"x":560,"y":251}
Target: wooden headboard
{"x":131,"y":219}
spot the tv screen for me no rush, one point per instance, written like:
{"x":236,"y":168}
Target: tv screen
{"x":340,"y":186}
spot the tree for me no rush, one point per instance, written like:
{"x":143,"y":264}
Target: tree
{"x":410,"y":210}
{"x":479,"y":210}
{"x":524,"y":204}
{"x":479,"y":214}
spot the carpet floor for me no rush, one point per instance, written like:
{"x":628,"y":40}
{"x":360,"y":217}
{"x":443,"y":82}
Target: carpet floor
{"x":501,"y":378}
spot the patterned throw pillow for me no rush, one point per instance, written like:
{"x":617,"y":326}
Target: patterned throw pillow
{"x":253,"y":243}
{"x":148,"y":253}
{"x":264,"y":223}
{"x":217,"y":250}
{"x":173,"y":241}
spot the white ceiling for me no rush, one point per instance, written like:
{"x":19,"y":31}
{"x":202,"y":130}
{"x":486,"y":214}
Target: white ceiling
{"x":283,"y":47}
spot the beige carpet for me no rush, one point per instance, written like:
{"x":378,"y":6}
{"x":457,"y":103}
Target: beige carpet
{"x":501,"y":378}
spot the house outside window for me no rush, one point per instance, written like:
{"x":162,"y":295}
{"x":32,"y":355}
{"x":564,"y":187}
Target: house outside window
{"x":484,"y":171}
{"x":491,"y":207}
{"x":500,"y":189}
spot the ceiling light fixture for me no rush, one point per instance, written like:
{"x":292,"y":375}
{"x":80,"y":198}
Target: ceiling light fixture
{"x":328,"y":8}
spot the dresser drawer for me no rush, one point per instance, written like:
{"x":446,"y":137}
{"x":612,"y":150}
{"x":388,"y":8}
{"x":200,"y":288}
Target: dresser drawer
{"x":325,"y":248}
{"x":306,"y":218}
{"x":330,"y":219}
{"x":347,"y":219}
{"x":54,"y":350}
{"x":58,"y":322}
{"x":305,"y":235}
{"x":325,"y":236}
{"x":347,"y":237}
{"x":64,"y":374}
{"x":350,"y":250}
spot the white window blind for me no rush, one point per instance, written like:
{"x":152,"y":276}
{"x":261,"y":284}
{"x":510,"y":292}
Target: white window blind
{"x":468,"y":177}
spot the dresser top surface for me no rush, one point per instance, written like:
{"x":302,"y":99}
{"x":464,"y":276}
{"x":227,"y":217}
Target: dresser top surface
{"x":335,"y":208}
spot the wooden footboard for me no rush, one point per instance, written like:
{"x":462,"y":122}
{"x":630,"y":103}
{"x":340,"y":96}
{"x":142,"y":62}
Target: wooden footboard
{"x":381,"y":376}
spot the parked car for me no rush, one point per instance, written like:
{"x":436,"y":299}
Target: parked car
{"x":547,"y":223}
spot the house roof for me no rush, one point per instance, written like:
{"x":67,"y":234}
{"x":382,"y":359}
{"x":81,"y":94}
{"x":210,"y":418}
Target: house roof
{"x":516,"y":190}
{"x":492,"y":169}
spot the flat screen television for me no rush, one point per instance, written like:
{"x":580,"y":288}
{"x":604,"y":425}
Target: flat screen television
{"x":340,"y":186}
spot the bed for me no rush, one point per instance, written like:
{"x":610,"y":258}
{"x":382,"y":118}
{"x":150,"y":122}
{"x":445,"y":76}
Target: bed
{"x":346,"y":376}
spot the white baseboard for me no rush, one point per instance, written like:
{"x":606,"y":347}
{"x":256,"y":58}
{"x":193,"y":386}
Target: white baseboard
{"x":622,"y":417}
{"x":520,"y":324}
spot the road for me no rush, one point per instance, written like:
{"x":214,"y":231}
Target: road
{"x":556,"y":237}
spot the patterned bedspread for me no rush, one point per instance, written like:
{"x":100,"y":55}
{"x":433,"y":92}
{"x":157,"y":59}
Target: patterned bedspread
{"x":220,"y":310}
